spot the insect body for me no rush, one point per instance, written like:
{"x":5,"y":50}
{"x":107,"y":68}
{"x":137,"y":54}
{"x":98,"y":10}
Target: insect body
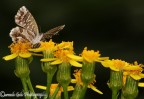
{"x":27,"y":29}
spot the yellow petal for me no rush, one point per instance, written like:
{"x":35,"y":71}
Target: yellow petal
{"x":25,"y":55}
{"x":140,"y":84}
{"x":142,"y":75}
{"x":48,"y":59}
{"x":107,"y":63}
{"x":70,"y":88}
{"x":132,"y":68}
{"x":41,"y":87}
{"x":114,"y":68}
{"x":94,"y":88}
{"x":36,"y":49}
{"x":73,"y":80}
{"x":58,"y":61}
{"x":136,"y":77}
{"x":102,"y":59}
{"x":75,"y":63}
{"x":10,"y":57}
{"x":88,"y":60}
{"x":72,"y":56}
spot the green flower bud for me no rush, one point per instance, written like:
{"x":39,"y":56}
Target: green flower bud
{"x":87,"y":74}
{"x":130,"y":90}
{"x":64,"y":73}
{"x":21,"y":67}
{"x":46,"y":67}
{"x":116,"y":80}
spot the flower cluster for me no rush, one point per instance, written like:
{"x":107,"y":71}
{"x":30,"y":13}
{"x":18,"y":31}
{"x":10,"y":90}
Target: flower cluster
{"x":58,"y":59}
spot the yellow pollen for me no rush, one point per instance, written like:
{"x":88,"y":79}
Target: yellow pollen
{"x":52,"y":89}
{"x":48,"y":45}
{"x":77,"y":75}
{"x":62,"y":54}
{"x":20,"y":47}
{"x":119,"y":64}
{"x":65,"y":45}
{"x":90,"y":54}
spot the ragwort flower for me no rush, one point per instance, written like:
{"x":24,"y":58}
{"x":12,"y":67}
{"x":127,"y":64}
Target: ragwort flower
{"x":19,"y":49}
{"x":64,"y":53}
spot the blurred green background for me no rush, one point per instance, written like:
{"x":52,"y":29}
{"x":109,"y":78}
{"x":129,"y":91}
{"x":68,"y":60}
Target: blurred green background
{"x":115,"y":28}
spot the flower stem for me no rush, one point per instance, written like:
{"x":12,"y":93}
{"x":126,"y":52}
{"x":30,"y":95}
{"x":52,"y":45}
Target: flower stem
{"x":114,"y":94}
{"x":23,"y":80}
{"x":65,"y":91}
{"x":49,"y":80}
{"x":31,"y":87}
{"x":83,"y":91}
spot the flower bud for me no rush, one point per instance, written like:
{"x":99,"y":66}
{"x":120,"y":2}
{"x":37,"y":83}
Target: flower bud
{"x":116,"y":80}
{"x":21,"y":67}
{"x":130,"y":90}
{"x":87,"y":73}
{"x":64,"y":73}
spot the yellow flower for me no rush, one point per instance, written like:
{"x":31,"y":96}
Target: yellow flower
{"x":64,"y":54}
{"x":45,"y":46}
{"x":91,"y":56}
{"x":19,"y":49}
{"x":53,"y":87}
{"x":134,"y":71}
{"x":65,"y":45}
{"x":78,"y":80}
{"x":116,"y":65}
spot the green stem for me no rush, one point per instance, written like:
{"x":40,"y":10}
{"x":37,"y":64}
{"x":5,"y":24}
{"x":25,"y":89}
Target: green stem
{"x":31,"y":87}
{"x":23,"y":80}
{"x":114,"y":94}
{"x":84,"y":89}
{"x":49,"y":81}
{"x":65,"y":91}
{"x":55,"y":93}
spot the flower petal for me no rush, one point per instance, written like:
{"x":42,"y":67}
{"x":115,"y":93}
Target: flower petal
{"x":94,"y":88}
{"x":10,"y":57}
{"x":87,"y":59}
{"x":140,"y":84}
{"x":58,"y":61}
{"x":36,"y":49}
{"x":25,"y":55}
{"x":73,"y":80}
{"x":107,"y":63}
{"x":48,"y":59}
{"x":72,"y":56}
{"x":136,"y":77}
{"x":41,"y":87}
{"x":70,"y":88}
{"x":75,"y":63}
{"x":114,"y":68}
{"x":102,"y":59}
{"x":142,"y":75}
{"x":132,"y":68}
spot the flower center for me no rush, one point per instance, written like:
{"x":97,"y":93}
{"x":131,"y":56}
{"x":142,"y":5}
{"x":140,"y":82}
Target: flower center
{"x":48,"y":45}
{"x":62,"y":54}
{"x":91,"y":55}
{"x":20,"y":47}
{"x":119,"y":64}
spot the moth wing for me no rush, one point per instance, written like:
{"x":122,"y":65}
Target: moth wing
{"x":25,"y":19}
{"x":52,"y":32}
{"x":20,"y":34}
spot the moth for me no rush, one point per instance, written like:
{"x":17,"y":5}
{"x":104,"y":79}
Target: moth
{"x":27,"y":29}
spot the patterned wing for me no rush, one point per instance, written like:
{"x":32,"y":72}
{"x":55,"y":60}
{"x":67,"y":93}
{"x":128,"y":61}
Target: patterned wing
{"x":21,"y":34}
{"x":25,"y":19}
{"x":52,"y":32}
{"x":16,"y":34}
